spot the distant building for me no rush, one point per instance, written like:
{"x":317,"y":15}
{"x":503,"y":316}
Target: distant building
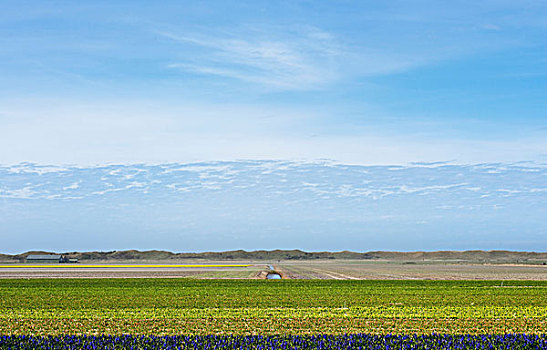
{"x":49,"y":258}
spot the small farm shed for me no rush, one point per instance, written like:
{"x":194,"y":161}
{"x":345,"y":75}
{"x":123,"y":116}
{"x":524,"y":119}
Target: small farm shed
{"x":50,"y":258}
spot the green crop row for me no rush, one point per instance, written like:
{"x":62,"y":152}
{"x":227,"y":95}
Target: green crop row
{"x":196,"y":294}
{"x":353,"y":312}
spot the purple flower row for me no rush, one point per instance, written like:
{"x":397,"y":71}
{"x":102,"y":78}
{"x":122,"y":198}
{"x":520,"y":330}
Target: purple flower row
{"x":347,"y":341}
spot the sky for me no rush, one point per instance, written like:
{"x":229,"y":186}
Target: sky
{"x":322,"y":88}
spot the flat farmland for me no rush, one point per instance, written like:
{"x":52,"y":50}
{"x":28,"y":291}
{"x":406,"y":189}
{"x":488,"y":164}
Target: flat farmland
{"x":133,"y":269}
{"x":170,"y":306}
{"x":290,"y":269}
{"x":411,"y":270}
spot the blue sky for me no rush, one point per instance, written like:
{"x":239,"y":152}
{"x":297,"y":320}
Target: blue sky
{"x":273,"y":204}
{"x":361,"y":82}
{"x":369,"y":83}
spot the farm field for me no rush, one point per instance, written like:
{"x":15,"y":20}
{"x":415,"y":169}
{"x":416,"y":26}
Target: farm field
{"x":291,"y":269}
{"x":401,"y":270}
{"x":136,"y":269}
{"x":165,"y":307}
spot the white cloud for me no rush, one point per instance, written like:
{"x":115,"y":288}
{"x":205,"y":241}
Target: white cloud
{"x":73,"y":186}
{"x":408,"y":189}
{"x":303,"y":57}
{"x":296,"y":59}
{"x":37,"y":169}
{"x":26,"y":192}
{"x":318,"y":178}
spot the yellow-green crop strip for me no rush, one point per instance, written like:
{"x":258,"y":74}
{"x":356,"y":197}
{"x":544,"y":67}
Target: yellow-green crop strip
{"x":353,"y":312}
{"x":186,"y":306}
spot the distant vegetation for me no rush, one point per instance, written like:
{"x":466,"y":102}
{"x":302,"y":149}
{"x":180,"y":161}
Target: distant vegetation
{"x":272,"y":255}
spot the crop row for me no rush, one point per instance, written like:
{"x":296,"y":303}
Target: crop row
{"x":320,"y":341}
{"x":266,"y":326}
{"x":497,"y":312}
{"x":185,"y":293}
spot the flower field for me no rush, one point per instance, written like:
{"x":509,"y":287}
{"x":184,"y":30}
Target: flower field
{"x":263,"y":314}
{"x":347,"y":341}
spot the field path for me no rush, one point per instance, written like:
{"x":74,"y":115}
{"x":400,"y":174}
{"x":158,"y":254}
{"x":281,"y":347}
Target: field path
{"x":334,"y":275}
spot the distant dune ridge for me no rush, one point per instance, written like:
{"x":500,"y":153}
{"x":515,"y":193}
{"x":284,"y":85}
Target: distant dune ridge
{"x":469,"y":255}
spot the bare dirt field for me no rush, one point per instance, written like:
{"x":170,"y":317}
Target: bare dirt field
{"x":132,"y":269}
{"x":352,"y":269}
{"x":289,"y":269}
